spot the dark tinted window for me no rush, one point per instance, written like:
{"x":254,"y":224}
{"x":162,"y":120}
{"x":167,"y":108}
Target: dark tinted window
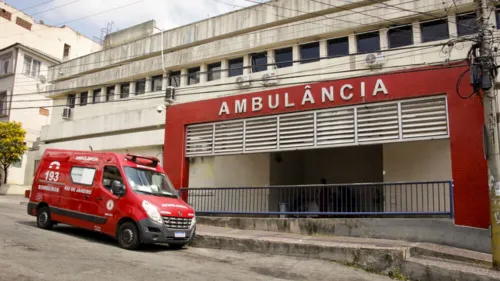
{"x":338,"y":47}
{"x":124,"y":90}
{"x":259,"y":62}
{"x":309,"y":52}
{"x":283,"y":57}
{"x":95,"y":95}
{"x":466,"y":24}
{"x":110,"y":93}
{"x":71,"y":101}
{"x":157,"y":82}
{"x":434,"y":30}
{"x":213,"y":71}
{"x":84,"y":97}
{"x":235,"y":67}
{"x":193,"y":75}
{"x":368,"y":42}
{"x":400,"y":36}
{"x":174,"y":79}
{"x":110,"y":174}
{"x":140,"y":86}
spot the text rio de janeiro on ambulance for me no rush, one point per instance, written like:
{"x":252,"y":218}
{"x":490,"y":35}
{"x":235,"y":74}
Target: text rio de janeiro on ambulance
{"x":327,"y":94}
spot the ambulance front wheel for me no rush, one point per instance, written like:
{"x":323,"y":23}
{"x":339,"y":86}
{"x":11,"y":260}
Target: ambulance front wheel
{"x":128,"y":236}
{"x":43,"y":219}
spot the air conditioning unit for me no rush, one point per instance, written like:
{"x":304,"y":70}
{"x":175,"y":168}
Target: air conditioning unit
{"x":375,"y":59}
{"x":243,"y":81}
{"x":66,"y":113}
{"x":270,"y":78}
{"x":170,"y":95}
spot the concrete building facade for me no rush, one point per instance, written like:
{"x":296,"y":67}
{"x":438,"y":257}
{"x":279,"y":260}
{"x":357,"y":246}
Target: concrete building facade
{"x":256,"y":66}
{"x":27,"y":49}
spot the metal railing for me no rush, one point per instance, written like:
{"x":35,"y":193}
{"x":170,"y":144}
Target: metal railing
{"x":363,"y":199}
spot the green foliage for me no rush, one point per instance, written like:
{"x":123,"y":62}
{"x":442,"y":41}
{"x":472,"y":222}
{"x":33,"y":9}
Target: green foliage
{"x":12,"y":145}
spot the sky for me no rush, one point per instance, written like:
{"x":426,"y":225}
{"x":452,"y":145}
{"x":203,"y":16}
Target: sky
{"x":90,"y":16}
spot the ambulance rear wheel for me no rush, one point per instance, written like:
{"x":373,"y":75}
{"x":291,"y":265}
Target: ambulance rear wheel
{"x":43,"y":219}
{"x":128,"y":236}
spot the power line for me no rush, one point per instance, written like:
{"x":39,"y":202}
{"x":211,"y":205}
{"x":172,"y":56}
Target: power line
{"x":43,"y":3}
{"x":264,"y":30}
{"x":406,"y":50}
{"x":64,"y":23}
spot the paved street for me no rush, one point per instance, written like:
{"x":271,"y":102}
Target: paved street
{"x":66,"y":253}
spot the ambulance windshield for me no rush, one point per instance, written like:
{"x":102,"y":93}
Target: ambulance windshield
{"x":149,"y":182}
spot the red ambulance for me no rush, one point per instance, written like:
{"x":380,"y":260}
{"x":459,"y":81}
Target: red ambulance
{"x":128,"y":197}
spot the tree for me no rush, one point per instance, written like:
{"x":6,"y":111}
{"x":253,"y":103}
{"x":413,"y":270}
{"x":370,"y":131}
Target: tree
{"x":12,"y":145}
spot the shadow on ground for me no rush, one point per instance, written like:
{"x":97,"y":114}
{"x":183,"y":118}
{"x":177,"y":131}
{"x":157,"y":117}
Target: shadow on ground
{"x":96,"y":237}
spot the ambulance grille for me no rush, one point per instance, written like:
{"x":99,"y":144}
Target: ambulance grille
{"x":177,"y":223}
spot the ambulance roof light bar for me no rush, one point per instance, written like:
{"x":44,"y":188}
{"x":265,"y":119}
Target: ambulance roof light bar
{"x":134,"y":157}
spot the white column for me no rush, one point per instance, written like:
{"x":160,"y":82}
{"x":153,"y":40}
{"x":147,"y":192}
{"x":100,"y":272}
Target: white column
{"x":117,"y":92}
{"x":384,"y":39}
{"x":164,"y":82}
{"x":90,"y":96}
{"x":417,"y":34}
{"x":149,"y":87}
{"x":296,"y":57}
{"x":102,"y":98}
{"x":132,"y":90}
{"x":353,"y":45}
{"x":77,"y":99}
{"x":224,"y":72}
{"x":203,"y":74}
{"x":184,"y":78}
{"x":452,"y":26}
{"x":246,"y":64}
{"x":323,"y":48}
{"x":270,"y":60}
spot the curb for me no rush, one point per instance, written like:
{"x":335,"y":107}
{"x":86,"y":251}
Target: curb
{"x":391,"y":261}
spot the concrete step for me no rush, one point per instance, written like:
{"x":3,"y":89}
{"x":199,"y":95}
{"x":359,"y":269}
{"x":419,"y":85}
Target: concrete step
{"x":414,"y":261}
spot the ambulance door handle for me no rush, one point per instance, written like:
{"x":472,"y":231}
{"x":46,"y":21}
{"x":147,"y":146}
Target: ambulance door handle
{"x":98,"y":198}
{"x":86,"y":196}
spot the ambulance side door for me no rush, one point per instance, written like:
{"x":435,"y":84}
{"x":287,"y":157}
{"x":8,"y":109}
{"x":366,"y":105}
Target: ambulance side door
{"x":105,"y":200}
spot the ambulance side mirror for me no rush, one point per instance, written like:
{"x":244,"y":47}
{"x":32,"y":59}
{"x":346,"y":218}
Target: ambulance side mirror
{"x":118,"y":188}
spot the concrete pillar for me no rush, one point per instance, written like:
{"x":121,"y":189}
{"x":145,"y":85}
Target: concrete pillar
{"x":323,"y":48}
{"x":148,"y":84}
{"x":452,"y":26}
{"x":77,"y":99}
{"x":203,"y":73}
{"x":417,"y":34}
{"x":246,"y":64}
{"x":271,"y":60}
{"x":296,"y":55}
{"x":184,"y":78}
{"x":90,"y":96}
{"x":164,"y":82}
{"x":117,"y":92}
{"x":102,"y":98}
{"x":353,"y":44}
{"x":224,"y":72}
{"x":384,"y":39}
{"x":132,"y":90}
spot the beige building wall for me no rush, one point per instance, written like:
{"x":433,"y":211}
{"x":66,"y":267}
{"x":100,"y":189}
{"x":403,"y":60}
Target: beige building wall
{"x":417,"y":162}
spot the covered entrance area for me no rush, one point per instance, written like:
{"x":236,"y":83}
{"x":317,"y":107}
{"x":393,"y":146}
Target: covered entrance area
{"x":389,"y":144}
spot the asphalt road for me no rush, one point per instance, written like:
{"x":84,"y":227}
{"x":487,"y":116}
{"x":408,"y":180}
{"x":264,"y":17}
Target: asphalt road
{"x":66,"y":253}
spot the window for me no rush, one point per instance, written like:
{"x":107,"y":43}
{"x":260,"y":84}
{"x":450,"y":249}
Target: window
{"x":309,"y":52}
{"x":497,"y":14}
{"x":140,"y":86}
{"x":84,"y":97}
{"x":174,"y":79}
{"x":82,"y":175}
{"x":338,"y":47}
{"x":434,"y":30}
{"x":157,"y":82}
{"x":110,"y":174}
{"x":66,"y":51}
{"x":5,"y":14}
{"x":3,"y":104}
{"x":31,"y":66}
{"x":193,"y":76}
{"x":400,"y":36}
{"x":5,"y":61}
{"x":283,"y":57}
{"x":95,"y":96}
{"x":368,"y":42}
{"x":23,"y":23}
{"x":71,"y":100}
{"x":110,"y":93}
{"x":466,"y":24}
{"x":213,"y":72}
{"x":235,"y":67}
{"x":259,"y":62}
{"x":124,"y":90}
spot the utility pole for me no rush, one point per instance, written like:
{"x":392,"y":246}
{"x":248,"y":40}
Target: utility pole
{"x":485,"y":62}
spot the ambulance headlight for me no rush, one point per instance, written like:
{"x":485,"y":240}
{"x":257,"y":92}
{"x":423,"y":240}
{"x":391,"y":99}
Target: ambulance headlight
{"x":193,"y":222}
{"x":152,"y":211}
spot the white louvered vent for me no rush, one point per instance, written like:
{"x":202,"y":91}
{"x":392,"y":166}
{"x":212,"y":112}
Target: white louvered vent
{"x":199,"y":139}
{"x":228,"y":137}
{"x":296,"y":130}
{"x":424,"y":118}
{"x":378,"y":122}
{"x":335,"y":127}
{"x":261,"y":134}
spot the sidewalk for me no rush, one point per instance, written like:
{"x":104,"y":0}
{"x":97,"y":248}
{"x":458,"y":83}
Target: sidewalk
{"x":416,"y":261}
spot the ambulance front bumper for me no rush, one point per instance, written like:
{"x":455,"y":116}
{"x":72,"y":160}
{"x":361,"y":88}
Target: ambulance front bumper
{"x":154,"y":232}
